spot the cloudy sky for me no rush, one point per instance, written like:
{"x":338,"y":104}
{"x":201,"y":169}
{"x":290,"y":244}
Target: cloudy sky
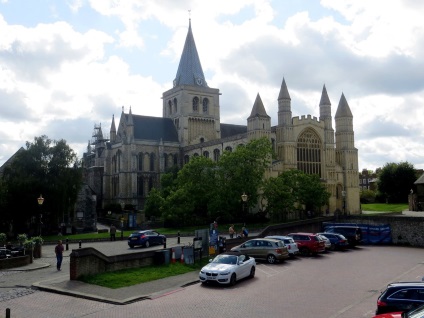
{"x":68,"y":65}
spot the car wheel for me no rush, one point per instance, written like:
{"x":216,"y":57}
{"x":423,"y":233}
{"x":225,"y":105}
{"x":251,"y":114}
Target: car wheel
{"x":131,"y":246}
{"x":252,"y":272}
{"x":332,"y":247}
{"x":147,"y":244}
{"x":304,"y":251}
{"x":271,"y":259}
{"x":233,"y":279}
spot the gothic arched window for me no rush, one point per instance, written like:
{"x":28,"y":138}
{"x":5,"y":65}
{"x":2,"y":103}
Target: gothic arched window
{"x":228,"y":148}
{"x":140,"y":161}
{"x":152,"y":162}
{"x":206,"y":154}
{"x":216,"y":155}
{"x":175,"y":105}
{"x":196,"y":104}
{"x":309,"y":152}
{"x":170,"y":107}
{"x":205,"y":105}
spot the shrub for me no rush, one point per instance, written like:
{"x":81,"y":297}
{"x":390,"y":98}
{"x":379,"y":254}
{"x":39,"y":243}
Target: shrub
{"x":3,"y":238}
{"x":38,"y":240}
{"x":22,"y":238}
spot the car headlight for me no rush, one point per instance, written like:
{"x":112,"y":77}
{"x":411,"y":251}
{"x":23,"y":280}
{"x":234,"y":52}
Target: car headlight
{"x":202,"y":272}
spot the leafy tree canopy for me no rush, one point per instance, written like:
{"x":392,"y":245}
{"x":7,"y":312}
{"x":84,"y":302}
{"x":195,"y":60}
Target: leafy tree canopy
{"x":395,"y":181}
{"x":46,"y":167}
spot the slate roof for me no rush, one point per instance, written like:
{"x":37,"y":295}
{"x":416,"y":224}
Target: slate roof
{"x":420,"y":180}
{"x":228,"y":130}
{"x":324,"y":98}
{"x":284,"y":92}
{"x":190,"y":70}
{"x":154,"y":128}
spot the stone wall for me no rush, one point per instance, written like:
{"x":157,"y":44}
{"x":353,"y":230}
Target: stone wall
{"x":15,"y":262}
{"x":89,"y":261}
{"x":406,"y":230}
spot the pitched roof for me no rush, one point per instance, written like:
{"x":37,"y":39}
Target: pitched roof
{"x":190,"y":70}
{"x":154,"y":128}
{"x":228,"y":130}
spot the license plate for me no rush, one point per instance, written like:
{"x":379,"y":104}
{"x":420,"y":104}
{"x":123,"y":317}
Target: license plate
{"x":212,"y":278}
{"x":134,"y":238}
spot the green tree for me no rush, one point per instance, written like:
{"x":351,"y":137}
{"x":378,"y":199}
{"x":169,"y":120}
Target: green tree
{"x":46,"y":167}
{"x":238,"y":172}
{"x":154,"y":204}
{"x":395,"y":181}
{"x":291,"y":190}
{"x":367,"y":196}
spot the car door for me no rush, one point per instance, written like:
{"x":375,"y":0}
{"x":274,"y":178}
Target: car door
{"x":247,"y":248}
{"x":243,"y":266}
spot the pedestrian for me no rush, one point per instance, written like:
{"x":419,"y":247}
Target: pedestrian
{"x":112,"y":232}
{"x":231,"y":231}
{"x":59,"y":254}
{"x":244,"y":232}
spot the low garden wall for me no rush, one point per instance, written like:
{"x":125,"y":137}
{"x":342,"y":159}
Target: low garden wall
{"x":89,"y":261}
{"x":15,"y":262}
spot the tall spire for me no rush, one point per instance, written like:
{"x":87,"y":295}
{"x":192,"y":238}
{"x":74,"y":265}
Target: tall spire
{"x":190,"y":70}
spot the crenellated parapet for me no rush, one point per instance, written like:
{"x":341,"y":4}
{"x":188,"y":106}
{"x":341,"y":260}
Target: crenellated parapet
{"x":308,"y":120}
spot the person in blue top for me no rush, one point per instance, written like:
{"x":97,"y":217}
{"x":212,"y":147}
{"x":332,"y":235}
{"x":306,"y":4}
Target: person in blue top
{"x":244,"y":232}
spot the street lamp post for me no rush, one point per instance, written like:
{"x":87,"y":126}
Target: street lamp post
{"x":40,"y":201}
{"x":122,"y":220}
{"x":244,"y":198}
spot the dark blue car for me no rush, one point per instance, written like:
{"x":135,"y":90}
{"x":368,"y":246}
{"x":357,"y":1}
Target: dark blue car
{"x":146,"y":238}
{"x":338,"y":241}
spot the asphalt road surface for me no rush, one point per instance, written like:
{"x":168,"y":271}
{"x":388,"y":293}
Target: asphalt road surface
{"x":335,"y":284}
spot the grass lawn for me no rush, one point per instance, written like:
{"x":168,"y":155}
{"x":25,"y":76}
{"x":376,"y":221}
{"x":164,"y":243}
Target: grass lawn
{"x":383,"y":207}
{"x":134,"y":276}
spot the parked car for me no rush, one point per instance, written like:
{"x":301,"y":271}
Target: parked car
{"x":402,"y":296}
{"x":5,"y":253}
{"x":308,"y":243}
{"x":327,"y":242}
{"x":145,"y":238}
{"x":338,"y":241}
{"x":271,"y":250}
{"x":289,"y":242}
{"x":352,"y":233}
{"x":228,"y":268}
{"x":414,"y":313}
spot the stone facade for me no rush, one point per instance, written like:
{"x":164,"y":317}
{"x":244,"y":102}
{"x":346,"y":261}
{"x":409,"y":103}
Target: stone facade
{"x":125,"y":166}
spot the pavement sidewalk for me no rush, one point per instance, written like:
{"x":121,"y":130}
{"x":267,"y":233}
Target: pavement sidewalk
{"x":63,"y":285}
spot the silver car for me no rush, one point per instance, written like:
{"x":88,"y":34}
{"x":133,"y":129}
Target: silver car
{"x":267,"y":249}
{"x":289,"y":242}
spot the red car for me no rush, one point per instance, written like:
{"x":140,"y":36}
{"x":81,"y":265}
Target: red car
{"x":308,"y":243}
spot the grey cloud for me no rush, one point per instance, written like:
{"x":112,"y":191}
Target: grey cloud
{"x":13,"y":108}
{"x":317,"y":60}
{"x":382,"y":128}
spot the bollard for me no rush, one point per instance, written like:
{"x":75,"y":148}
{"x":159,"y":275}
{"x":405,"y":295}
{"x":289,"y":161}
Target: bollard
{"x":164,"y":242}
{"x":80,"y":244}
{"x":178,"y":240}
{"x":67,"y":244}
{"x":7,"y":312}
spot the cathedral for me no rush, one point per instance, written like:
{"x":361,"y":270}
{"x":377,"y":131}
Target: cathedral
{"x":125,"y":166}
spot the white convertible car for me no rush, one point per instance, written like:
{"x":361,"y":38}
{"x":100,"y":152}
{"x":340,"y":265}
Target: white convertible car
{"x":228,"y":268}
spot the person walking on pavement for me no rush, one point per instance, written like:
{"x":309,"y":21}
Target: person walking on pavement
{"x":112,"y":232}
{"x":59,"y":254}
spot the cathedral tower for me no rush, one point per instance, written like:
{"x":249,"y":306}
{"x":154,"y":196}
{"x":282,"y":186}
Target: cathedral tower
{"x":347,"y":156}
{"x":191,"y":103}
{"x":258,"y":123}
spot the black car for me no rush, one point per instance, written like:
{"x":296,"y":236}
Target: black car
{"x":145,"y":238}
{"x":352,"y":233}
{"x":402,"y":296}
{"x":338,"y":241}
{"x":5,"y":253}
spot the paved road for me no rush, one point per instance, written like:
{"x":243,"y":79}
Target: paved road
{"x":337,"y":284}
